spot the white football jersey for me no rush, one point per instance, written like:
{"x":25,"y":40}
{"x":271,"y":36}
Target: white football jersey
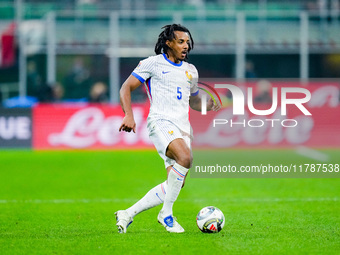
{"x":169,"y":86}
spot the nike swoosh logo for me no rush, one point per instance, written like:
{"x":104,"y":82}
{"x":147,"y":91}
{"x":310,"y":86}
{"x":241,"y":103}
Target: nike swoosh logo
{"x":179,"y":179}
{"x":159,"y":197}
{"x":165,"y":72}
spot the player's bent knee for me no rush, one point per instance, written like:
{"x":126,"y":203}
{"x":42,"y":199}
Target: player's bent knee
{"x":185,"y":160}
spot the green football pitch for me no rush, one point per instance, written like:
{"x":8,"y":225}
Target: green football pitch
{"x":63,"y":202}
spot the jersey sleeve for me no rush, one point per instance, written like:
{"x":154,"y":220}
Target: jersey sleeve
{"x":144,"y":69}
{"x":194,"y":86}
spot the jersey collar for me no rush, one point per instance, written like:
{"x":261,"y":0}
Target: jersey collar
{"x":172,"y":63}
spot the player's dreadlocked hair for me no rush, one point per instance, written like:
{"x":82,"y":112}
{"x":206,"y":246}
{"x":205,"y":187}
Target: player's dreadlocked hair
{"x":169,"y":34}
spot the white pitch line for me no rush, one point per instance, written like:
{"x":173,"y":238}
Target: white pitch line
{"x":132,"y":200}
{"x":313,"y":154}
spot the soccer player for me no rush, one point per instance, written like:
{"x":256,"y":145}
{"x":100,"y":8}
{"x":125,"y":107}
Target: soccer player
{"x":171,"y":83}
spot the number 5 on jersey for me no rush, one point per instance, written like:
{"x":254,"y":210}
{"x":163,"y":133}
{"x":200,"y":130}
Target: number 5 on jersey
{"x":179,"y":93}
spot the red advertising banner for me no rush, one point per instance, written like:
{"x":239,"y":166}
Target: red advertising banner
{"x":96,"y":126}
{"x":61,"y":126}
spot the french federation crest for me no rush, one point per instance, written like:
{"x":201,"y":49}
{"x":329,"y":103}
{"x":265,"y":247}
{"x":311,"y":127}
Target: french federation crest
{"x":189,"y":76}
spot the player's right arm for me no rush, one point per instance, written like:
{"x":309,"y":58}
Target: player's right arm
{"x":128,"y":86}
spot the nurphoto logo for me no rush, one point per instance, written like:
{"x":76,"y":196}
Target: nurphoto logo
{"x":240,"y":101}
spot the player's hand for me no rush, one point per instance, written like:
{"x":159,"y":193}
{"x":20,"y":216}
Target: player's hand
{"x":128,"y":124}
{"x":212,"y":106}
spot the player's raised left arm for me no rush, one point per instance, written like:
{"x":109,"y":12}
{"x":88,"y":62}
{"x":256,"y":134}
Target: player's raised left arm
{"x":195,"y":103}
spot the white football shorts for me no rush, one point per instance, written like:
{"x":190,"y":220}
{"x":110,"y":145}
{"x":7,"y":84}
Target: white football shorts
{"x":162,"y":133}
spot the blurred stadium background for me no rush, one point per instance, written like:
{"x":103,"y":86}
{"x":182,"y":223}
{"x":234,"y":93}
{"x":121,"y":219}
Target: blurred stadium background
{"x":81,"y":51}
